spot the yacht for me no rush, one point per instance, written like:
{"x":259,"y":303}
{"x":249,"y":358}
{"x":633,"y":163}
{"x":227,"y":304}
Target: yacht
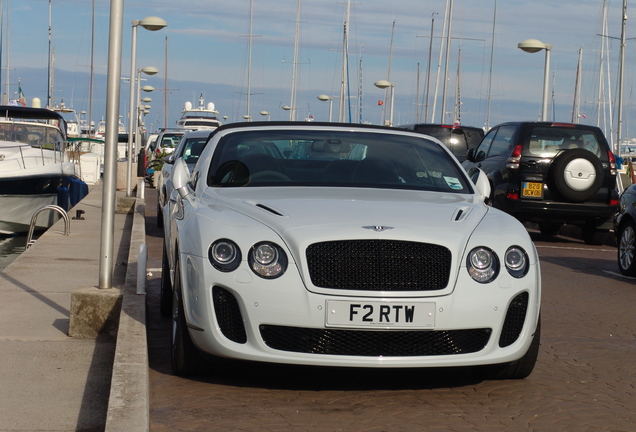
{"x":202,"y":117}
{"x":35,"y":168}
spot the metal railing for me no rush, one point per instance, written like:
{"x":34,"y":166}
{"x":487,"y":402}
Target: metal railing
{"x":58,"y":209}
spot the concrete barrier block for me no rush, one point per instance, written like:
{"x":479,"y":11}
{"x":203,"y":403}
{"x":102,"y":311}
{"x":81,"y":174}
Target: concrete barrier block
{"x":94,"y":312}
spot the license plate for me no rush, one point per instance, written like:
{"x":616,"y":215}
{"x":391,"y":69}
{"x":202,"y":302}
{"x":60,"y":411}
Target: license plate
{"x":532,"y":189}
{"x":385,"y":314}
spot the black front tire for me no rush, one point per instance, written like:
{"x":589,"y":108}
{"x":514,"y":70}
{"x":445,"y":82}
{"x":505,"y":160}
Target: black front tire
{"x":184,"y":356}
{"x":550,"y":228}
{"x":165,"y":298}
{"x":592,"y":235}
{"x":626,"y":246}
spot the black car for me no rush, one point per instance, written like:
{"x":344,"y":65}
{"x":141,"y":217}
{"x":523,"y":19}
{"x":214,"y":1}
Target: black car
{"x":551,"y":174}
{"x":625,"y":230}
{"x":459,"y":139}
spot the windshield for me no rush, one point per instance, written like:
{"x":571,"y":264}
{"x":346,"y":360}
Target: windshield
{"x":30,"y":133}
{"x":334,"y":159}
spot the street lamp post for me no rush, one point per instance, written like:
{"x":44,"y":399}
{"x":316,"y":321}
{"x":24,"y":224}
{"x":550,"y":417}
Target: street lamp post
{"x":382,"y":84}
{"x":140,"y":110}
{"x":325,"y":98}
{"x":533,"y":46}
{"x":152,"y":24}
{"x":265,"y":114}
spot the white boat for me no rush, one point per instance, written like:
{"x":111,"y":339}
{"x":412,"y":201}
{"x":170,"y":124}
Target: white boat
{"x":202,"y":117}
{"x":35,"y":168}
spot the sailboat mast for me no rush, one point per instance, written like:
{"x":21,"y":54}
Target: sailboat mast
{"x":621,"y":69}
{"x":439,"y":62}
{"x":492,"y":55}
{"x":458,"y":96}
{"x":292,"y":102}
{"x":49,"y":99}
{"x":577,"y":90}
{"x":345,"y":58}
{"x":165,"y":86}
{"x":428,"y":68}
{"x":448,"y":39}
{"x":90,"y":89}
{"x":249,"y":62}
{"x":7,"y":94}
{"x":388,"y":74}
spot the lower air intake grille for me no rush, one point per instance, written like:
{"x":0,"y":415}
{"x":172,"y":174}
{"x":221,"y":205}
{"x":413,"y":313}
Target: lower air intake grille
{"x":228,"y":315}
{"x":515,"y":318}
{"x":379,"y":265}
{"x":374,"y":343}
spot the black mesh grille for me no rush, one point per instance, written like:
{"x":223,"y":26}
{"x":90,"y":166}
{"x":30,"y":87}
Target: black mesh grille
{"x":515,"y":317}
{"x":379,"y":265}
{"x":374,"y":343}
{"x":228,"y":315}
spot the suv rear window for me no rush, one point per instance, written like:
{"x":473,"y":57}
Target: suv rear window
{"x":548,"y":141}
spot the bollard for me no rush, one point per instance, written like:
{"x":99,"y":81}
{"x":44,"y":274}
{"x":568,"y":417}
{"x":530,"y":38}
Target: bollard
{"x":141,"y":269}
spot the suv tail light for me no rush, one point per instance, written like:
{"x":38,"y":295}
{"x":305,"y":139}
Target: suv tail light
{"x":612,"y":162}
{"x":515,"y":158}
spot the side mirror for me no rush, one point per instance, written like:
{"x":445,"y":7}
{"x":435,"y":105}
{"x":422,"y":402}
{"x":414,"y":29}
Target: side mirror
{"x":181,"y":177}
{"x":480,"y":179}
{"x":470,"y":154}
{"x":169,"y":159}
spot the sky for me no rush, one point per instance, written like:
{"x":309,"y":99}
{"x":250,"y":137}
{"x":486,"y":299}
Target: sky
{"x":208,"y":44}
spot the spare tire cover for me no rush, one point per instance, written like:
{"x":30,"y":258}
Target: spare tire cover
{"x":576,"y":175}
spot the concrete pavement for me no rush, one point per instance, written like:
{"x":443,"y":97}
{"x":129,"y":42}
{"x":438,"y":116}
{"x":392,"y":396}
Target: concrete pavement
{"x":54,"y":382}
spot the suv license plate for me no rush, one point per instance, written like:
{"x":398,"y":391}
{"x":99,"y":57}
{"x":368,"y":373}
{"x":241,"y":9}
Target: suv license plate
{"x":532,"y":190}
{"x":380,"y":314}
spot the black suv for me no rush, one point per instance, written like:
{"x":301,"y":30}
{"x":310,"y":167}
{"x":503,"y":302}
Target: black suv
{"x":459,"y":139}
{"x":550,"y":174}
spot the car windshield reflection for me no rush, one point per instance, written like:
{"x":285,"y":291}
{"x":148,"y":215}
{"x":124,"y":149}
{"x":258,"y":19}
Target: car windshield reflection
{"x":334,"y":159}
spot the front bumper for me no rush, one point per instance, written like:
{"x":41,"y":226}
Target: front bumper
{"x":240,"y":316}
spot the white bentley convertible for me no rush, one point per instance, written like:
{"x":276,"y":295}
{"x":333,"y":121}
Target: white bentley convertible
{"x":345,"y":245}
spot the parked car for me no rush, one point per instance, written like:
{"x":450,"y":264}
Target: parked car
{"x":383,"y":255}
{"x":189,"y":148}
{"x":165,"y":143}
{"x":551,"y":174}
{"x":459,"y":139}
{"x":625,"y":230}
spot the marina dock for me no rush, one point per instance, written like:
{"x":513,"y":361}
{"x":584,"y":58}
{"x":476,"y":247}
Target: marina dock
{"x":50,"y":380}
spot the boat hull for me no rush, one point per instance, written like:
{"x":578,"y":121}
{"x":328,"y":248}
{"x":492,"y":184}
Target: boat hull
{"x":16,"y":212}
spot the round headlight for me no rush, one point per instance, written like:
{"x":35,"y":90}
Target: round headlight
{"x":482,"y":264}
{"x":267,"y":260}
{"x":516,"y":261}
{"x":224,"y":255}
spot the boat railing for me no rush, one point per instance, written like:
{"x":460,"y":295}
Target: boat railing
{"x":50,"y":207}
{"x":45,"y":154}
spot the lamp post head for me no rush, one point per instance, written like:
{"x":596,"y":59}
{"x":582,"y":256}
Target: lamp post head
{"x":383,"y":84}
{"x":146,"y":100}
{"x":150,"y":70}
{"x":324,"y":97}
{"x":264,"y":113}
{"x":152,"y":23}
{"x":148,"y":88}
{"x":286,"y":107}
{"x":533,"y":46}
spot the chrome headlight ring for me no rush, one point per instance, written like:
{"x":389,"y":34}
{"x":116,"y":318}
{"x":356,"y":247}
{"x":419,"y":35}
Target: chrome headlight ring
{"x":267,"y":260}
{"x":482,"y":264}
{"x":224,"y":255}
{"x":516,"y":261}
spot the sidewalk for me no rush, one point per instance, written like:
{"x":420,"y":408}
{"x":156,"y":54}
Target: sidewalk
{"x":50,"y":381}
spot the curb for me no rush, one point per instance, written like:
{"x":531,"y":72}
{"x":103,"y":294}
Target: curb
{"x":129,"y":400}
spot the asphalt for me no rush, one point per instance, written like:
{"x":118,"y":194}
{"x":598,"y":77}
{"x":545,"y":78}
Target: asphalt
{"x":51,"y":381}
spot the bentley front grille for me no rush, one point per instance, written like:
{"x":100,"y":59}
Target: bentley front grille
{"x":379,"y":265}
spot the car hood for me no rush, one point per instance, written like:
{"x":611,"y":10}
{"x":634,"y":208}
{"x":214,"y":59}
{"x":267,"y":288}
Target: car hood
{"x":301,"y":216}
